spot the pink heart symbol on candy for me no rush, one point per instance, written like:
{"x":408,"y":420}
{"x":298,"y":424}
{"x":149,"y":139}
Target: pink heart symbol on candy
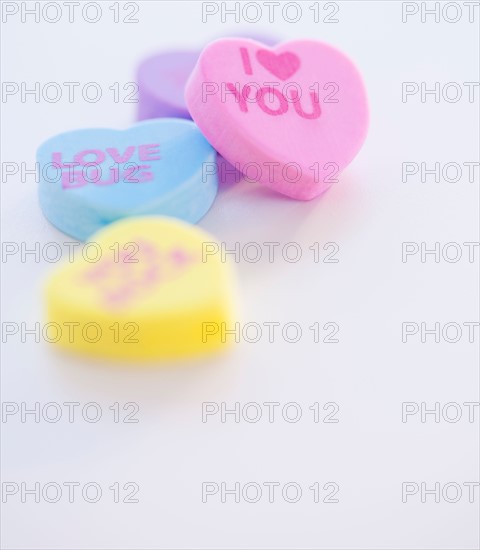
{"x":294,"y":135}
{"x":282,"y":65}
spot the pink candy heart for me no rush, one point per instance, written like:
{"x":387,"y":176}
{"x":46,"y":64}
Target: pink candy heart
{"x":283,"y":65}
{"x":291,"y":117}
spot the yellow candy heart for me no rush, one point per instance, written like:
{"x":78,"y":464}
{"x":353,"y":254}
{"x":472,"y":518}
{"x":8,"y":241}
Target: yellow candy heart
{"x":148,"y":294}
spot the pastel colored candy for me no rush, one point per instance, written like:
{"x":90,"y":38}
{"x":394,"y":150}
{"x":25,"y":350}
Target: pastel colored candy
{"x":161,"y":84}
{"x":161,"y":81}
{"x":150,"y":294}
{"x":226,"y":173}
{"x":90,"y":178}
{"x":295,"y":116}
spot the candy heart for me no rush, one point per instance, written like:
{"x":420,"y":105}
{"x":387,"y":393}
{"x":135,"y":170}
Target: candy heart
{"x":90,"y":178}
{"x":150,"y":294}
{"x":283,"y":65}
{"x":161,"y":82}
{"x":295,"y":133}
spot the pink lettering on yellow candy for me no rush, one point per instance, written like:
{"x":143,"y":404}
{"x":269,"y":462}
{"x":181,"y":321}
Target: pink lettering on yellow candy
{"x":119,"y":283}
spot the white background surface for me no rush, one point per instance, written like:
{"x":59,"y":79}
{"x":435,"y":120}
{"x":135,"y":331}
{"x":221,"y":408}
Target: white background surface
{"x":369,"y":293}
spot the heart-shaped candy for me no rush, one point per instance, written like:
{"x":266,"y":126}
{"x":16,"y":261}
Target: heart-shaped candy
{"x":90,"y":178}
{"x":282,"y":65}
{"x":161,"y":81}
{"x":161,"y":84}
{"x":149,"y":294}
{"x":292,"y":117}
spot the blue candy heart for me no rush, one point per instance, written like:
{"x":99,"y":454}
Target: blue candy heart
{"x":90,"y":178}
